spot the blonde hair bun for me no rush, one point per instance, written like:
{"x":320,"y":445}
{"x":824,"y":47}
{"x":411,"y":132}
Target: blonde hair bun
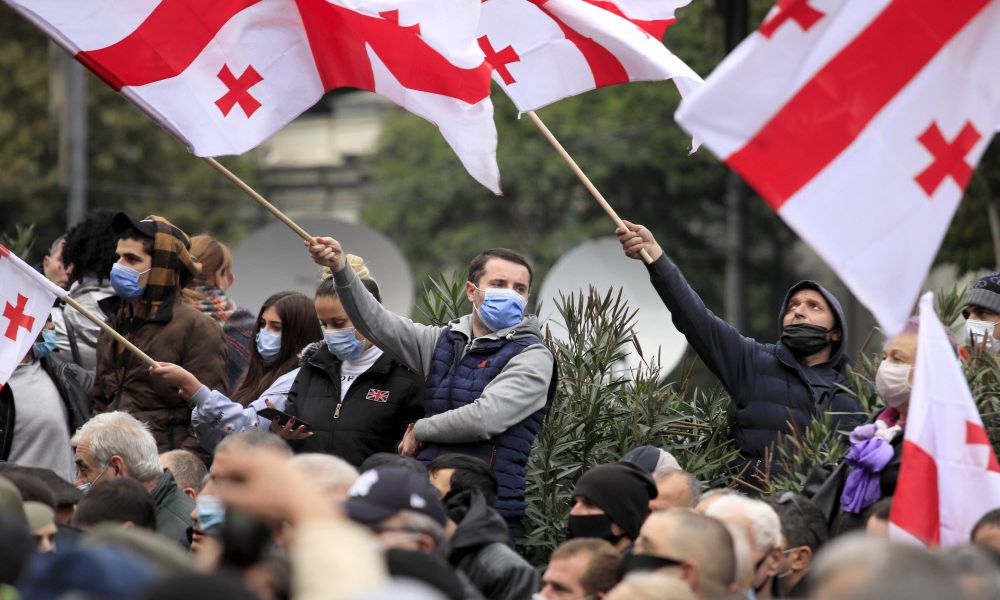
{"x":358,"y":264}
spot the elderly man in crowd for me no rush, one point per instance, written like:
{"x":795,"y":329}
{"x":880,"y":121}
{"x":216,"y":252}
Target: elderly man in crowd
{"x":763,"y":532}
{"x":116,"y":444}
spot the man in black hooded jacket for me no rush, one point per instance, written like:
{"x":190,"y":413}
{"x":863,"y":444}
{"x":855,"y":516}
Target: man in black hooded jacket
{"x":795,"y":380}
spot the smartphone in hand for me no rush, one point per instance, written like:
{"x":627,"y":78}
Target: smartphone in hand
{"x":272,"y":414}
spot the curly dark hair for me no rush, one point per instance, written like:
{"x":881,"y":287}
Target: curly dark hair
{"x":90,"y":245}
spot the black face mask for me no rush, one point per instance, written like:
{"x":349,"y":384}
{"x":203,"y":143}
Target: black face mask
{"x":635,"y":563}
{"x":592,"y":526}
{"x":805,"y":339}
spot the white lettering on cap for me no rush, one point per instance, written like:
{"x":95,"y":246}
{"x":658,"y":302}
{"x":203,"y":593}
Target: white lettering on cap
{"x":363,"y":485}
{"x":417,"y":502}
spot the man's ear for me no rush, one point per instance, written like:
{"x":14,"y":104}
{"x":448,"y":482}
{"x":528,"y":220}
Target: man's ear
{"x":470,"y":292}
{"x":117,"y":465}
{"x":800,"y":558}
{"x":836,"y":335}
{"x":690,"y":574}
{"x":190,"y":493}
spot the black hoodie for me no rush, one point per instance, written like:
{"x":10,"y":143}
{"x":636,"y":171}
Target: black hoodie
{"x":479,"y":549}
{"x":767,"y":384}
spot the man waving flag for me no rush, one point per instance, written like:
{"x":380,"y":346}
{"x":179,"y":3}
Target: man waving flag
{"x":860,"y":122}
{"x":949,"y":476}
{"x":224,"y":75}
{"x":26,"y":299}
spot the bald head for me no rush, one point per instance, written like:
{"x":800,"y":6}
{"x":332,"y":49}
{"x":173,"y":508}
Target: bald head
{"x":699,"y":541}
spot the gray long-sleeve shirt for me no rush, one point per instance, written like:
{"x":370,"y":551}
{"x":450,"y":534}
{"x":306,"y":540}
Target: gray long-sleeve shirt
{"x":517,"y":392}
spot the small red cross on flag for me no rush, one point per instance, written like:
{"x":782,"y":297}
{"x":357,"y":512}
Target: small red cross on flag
{"x":26,"y":299}
{"x":949,"y":157}
{"x":499,"y":60}
{"x":377,"y":395}
{"x":239,"y":91}
{"x":791,"y":10}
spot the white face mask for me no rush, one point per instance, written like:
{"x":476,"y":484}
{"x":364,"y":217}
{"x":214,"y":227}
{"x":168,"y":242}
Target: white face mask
{"x":892,"y":381}
{"x":978,"y":331}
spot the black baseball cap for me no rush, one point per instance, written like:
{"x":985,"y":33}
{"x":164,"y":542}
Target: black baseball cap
{"x":124,"y":221}
{"x":384,"y":491}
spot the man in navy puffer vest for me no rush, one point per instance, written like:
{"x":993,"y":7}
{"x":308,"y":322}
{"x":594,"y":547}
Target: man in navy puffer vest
{"x":489,"y":377}
{"x":795,"y":380}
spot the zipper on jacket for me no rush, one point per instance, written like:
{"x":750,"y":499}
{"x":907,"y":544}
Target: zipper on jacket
{"x":336,"y":411}
{"x":493,"y":456}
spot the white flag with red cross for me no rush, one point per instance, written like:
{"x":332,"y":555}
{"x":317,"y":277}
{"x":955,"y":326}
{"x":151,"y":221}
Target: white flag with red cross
{"x":546,"y":50}
{"x":949,"y":476}
{"x":224,"y":75}
{"x":26,"y":299}
{"x":860,"y":122}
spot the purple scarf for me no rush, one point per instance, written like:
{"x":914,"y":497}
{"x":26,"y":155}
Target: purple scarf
{"x":868,"y":456}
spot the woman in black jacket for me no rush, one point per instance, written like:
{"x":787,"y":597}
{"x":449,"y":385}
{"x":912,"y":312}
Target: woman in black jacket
{"x":349,"y":398}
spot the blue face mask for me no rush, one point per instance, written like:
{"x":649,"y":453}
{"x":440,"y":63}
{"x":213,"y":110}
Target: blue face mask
{"x":501,"y":308}
{"x":268,"y":344}
{"x":45,"y":345}
{"x":211,"y":514}
{"x":125,"y":282}
{"x":343,"y":343}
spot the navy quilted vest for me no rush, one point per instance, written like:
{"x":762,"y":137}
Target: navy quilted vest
{"x":454,"y":381}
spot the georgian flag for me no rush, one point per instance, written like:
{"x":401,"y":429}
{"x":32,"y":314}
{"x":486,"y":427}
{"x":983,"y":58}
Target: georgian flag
{"x":949,"y":476}
{"x":860,"y":122}
{"x":545,"y":50}
{"x":26,"y":299}
{"x":224,"y":75}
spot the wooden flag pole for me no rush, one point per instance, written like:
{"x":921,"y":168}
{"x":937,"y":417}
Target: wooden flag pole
{"x":249,"y":191}
{"x":110,"y":331}
{"x":646,"y":258}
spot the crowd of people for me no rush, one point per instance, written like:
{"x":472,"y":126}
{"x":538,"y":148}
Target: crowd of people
{"x":328,"y":448}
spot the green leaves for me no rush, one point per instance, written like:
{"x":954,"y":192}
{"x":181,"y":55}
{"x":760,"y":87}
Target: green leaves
{"x":603,"y":409}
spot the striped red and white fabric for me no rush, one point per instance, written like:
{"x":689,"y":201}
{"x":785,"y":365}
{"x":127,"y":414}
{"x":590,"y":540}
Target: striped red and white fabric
{"x":949,"y":476}
{"x":224,"y":75}
{"x":545,"y":50}
{"x":860,"y":122}
{"x":26,"y":299}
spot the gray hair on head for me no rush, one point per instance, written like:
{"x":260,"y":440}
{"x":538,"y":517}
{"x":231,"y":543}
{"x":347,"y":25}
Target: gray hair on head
{"x":254,"y":439}
{"x":328,"y":471}
{"x":694,"y":486}
{"x":765,"y":526}
{"x":120,"y":434}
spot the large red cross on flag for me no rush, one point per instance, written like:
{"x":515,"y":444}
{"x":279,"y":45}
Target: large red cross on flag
{"x":860,"y":123}
{"x":949,"y":476}
{"x":546,"y":50}
{"x":26,"y":299}
{"x":224,"y":75}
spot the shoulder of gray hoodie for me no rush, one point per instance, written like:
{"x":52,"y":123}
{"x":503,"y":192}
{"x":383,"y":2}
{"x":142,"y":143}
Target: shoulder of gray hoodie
{"x":520,"y":390}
